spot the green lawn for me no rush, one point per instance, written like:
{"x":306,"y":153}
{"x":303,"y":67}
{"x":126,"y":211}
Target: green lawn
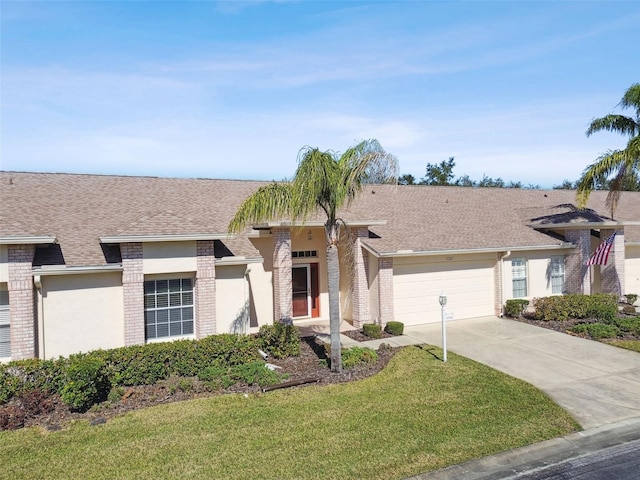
{"x":628,"y":344}
{"x":416,"y":415}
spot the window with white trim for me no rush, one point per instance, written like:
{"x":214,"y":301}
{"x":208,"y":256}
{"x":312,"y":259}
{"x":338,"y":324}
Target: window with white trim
{"x":5,"y":331}
{"x":557,"y":274}
{"x":519,"y":277}
{"x":168,"y":308}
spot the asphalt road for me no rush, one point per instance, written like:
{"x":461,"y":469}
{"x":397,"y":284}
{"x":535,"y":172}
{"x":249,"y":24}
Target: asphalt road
{"x":621,"y":462}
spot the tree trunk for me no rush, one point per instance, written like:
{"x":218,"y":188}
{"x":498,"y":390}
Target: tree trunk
{"x":333,"y":270}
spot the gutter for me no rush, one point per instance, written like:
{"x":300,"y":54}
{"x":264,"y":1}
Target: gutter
{"x":317,"y":223}
{"x":62,"y":270}
{"x":162,"y":238}
{"x":430,"y":253}
{"x":236,"y":261}
{"x":27,"y":240}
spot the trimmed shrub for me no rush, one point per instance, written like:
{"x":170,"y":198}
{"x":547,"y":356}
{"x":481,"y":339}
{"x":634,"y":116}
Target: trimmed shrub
{"x":372,"y":330}
{"x":629,"y":325}
{"x":599,"y":306}
{"x":515,"y":307}
{"x":86,"y":382}
{"x":631,"y":298}
{"x":597,"y":331}
{"x":358,"y":356}
{"x":249,"y":373}
{"x":629,"y":310}
{"x":394,"y":328}
{"x":280,"y":340}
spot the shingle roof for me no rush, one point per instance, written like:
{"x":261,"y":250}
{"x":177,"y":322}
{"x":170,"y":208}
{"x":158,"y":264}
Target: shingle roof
{"x":79,"y":209}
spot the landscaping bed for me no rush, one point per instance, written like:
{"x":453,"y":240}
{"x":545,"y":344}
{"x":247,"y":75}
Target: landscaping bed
{"x":310,"y":364}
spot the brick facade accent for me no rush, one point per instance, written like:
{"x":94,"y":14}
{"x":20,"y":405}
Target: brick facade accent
{"x":385,"y":289}
{"x":612,"y":274}
{"x":133,"y":292}
{"x":21,"y":301}
{"x":282,"y":277}
{"x":205,"y":289}
{"x":577,"y":274}
{"x":360,"y":279}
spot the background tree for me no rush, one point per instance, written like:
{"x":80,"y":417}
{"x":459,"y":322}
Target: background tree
{"x":617,"y":168}
{"x":439,"y":174}
{"x":327,"y":182}
{"x":406,"y":179}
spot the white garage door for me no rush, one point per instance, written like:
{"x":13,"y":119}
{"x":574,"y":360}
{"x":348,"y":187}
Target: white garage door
{"x":632,"y":270}
{"x":417,"y":284}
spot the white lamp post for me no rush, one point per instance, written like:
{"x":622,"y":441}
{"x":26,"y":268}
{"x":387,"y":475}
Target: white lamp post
{"x":443,"y":301}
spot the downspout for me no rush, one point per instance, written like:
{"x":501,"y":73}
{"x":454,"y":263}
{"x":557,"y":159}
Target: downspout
{"x":247,"y":300}
{"x":501,"y":286}
{"x":37,"y":280}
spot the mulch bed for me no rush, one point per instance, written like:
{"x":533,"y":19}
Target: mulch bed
{"x":358,"y":336}
{"x":310,"y":364}
{"x":564,"y":326}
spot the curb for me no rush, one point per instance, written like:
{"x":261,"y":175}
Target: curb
{"x":511,"y":463}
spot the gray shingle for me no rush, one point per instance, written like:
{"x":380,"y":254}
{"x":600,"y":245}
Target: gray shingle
{"x":79,"y":209}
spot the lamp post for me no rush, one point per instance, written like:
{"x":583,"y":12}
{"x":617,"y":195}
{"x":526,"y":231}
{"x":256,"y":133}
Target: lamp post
{"x":443,"y":301}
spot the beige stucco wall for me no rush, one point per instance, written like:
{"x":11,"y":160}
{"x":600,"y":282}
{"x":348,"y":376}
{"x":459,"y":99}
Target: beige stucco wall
{"x":81,"y":313}
{"x":467,"y":281}
{"x":538,"y":272}
{"x":4,"y":264}
{"x":632,"y":269}
{"x":168,"y":257}
{"x":233,"y":303}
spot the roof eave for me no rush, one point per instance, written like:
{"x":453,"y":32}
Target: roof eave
{"x":459,"y":251}
{"x":162,"y":238}
{"x":27,"y":240}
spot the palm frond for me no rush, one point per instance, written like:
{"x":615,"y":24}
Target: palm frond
{"x":631,"y":99}
{"x":273,"y":201}
{"x":612,"y":162}
{"x":614,"y":123}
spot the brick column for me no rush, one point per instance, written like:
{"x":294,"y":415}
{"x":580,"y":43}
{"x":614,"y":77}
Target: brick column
{"x":282,"y":278}
{"x":385,"y":289}
{"x":578,"y":275}
{"x":360,"y":279}
{"x":133,"y":293}
{"x":613,"y":272}
{"x":205,"y":301}
{"x":22,"y":319}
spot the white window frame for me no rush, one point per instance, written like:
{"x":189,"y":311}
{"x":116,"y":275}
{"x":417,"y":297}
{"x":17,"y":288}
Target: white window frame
{"x":557,"y":272}
{"x":5,"y":324}
{"x":519,"y":273}
{"x":172,"y":301}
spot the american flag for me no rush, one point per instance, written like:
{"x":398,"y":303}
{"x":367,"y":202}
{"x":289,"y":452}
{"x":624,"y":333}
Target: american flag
{"x":601,"y":255}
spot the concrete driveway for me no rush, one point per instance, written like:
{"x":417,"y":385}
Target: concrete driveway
{"x":596,"y":383}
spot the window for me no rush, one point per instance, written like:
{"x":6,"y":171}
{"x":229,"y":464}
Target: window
{"x":519,"y":277}
{"x":5,"y":333}
{"x":304,"y":254}
{"x":168,"y":308}
{"x":557,"y":274}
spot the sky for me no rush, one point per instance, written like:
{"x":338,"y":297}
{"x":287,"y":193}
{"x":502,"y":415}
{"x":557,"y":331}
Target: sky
{"x":236,"y":89}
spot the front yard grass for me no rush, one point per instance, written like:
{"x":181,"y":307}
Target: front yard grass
{"x":418,"y":414}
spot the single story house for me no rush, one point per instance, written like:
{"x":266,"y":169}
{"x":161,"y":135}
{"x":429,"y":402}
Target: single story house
{"x":101,"y":261}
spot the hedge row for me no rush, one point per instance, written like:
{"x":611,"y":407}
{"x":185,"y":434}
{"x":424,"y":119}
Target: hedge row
{"x":600,"y":306}
{"x":86,"y":378}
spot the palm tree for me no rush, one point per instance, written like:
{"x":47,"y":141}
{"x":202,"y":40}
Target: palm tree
{"x":324,"y":181}
{"x":623,"y":164}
